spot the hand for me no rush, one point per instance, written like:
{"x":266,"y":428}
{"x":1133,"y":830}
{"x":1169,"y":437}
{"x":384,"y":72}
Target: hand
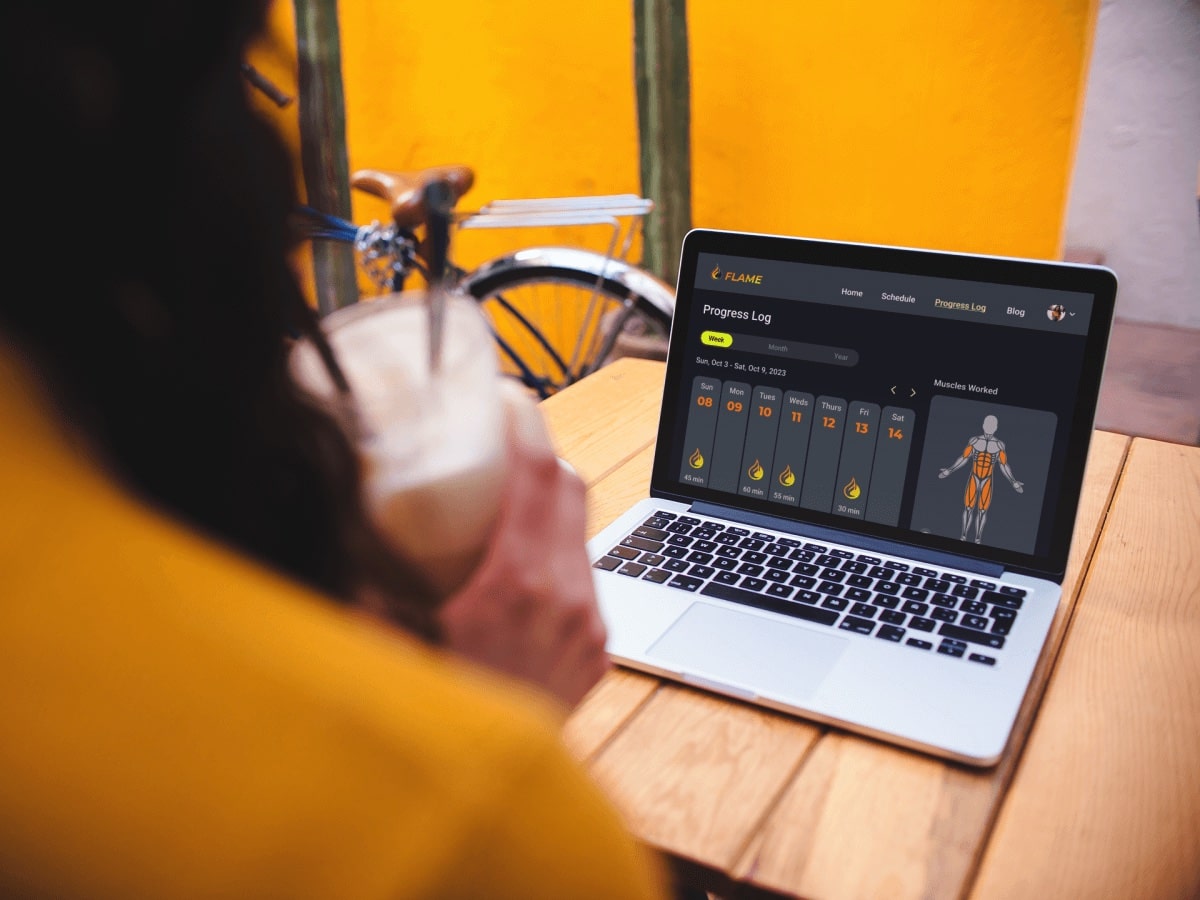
{"x":1019,"y":486}
{"x":529,"y":610}
{"x":942,"y":473}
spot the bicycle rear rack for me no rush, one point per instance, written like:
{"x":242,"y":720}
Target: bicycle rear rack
{"x":603,"y":209}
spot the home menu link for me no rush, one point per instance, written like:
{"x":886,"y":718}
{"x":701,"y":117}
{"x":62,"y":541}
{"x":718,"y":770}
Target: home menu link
{"x":1064,"y":312}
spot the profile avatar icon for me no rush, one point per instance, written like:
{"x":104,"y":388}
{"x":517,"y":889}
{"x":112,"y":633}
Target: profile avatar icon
{"x":1055,"y":312}
{"x":984,"y":452}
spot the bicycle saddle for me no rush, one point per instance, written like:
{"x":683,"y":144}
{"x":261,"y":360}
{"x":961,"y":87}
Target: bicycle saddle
{"x":404,"y":192}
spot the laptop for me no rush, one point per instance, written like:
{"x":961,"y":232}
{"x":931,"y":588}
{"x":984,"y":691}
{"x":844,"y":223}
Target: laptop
{"x":867,"y":473}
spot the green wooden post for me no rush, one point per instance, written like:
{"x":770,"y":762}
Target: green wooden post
{"x":323,"y":159}
{"x":661,"y":74}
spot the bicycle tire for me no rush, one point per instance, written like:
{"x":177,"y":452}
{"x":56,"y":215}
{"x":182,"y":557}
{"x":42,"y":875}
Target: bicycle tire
{"x":560,"y":313}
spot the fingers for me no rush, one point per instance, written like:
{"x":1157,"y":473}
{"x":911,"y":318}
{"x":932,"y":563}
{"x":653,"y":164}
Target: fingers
{"x":530,"y":609}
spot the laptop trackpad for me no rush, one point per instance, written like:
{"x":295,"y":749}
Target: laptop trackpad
{"x":761,"y":656}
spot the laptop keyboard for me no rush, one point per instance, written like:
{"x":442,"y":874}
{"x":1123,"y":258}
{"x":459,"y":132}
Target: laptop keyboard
{"x":921,"y":607}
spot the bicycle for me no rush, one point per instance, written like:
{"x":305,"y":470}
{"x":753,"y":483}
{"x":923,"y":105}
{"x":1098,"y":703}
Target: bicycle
{"x":557,"y":313}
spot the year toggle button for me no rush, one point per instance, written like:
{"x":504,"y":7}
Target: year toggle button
{"x":716,"y":339}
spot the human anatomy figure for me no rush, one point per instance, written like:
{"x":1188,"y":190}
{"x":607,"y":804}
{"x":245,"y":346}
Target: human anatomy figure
{"x":984,"y":452}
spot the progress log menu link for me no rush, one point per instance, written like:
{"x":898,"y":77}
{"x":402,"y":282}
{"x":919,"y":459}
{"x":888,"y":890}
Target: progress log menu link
{"x":822,"y":453}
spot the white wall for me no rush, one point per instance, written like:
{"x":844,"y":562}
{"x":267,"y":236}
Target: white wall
{"x":1133,"y":194}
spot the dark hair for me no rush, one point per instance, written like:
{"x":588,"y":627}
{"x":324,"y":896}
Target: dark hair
{"x":156,"y":206}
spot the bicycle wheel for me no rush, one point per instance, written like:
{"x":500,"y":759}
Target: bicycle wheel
{"x":560,"y":313}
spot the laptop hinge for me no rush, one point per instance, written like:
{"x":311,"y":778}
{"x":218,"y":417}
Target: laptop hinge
{"x":879,"y":545}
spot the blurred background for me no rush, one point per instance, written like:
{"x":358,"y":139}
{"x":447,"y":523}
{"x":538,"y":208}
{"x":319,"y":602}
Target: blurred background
{"x":1040,"y":128}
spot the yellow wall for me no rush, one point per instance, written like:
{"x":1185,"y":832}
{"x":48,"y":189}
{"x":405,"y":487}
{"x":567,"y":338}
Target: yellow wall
{"x":937,"y":123}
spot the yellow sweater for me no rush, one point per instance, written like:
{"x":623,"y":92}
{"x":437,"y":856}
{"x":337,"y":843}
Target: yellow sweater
{"x":178,"y":722}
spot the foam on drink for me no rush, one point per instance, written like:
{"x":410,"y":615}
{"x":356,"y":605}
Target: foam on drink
{"x":432,"y":444}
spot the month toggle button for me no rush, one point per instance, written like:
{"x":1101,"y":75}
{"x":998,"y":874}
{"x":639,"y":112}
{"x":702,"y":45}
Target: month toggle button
{"x":716,"y":339}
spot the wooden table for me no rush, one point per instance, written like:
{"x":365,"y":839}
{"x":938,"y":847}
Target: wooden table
{"x":1097,"y":796}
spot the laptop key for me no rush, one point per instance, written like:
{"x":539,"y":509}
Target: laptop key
{"x":679,"y":528}
{"x":829,"y":587}
{"x":807,"y":596}
{"x":869,"y":560}
{"x":1012,"y":601}
{"x":779,"y":562}
{"x":753,"y":556}
{"x":945,"y":615}
{"x":979,"y":623}
{"x":699,"y":571}
{"x":952,"y":648}
{"x":676,"y":565}
{"x":704,"y":546}
{"x":651,"y":559}
{"x":748,"y":569}
{"x":780,"y":590}
{"x":657,"y":576}
{"x":740,"y":532}
{"x":981,"y":658}
{"x":858,"y":594}
{"x":886,"y":601}
{"x":892,"y":617}
{"x":974,"y":607}
{"x":632,"y":569}
{"x":776,"y":575}
{"x":860,"y":581}
{"x":703,"y":558}
{"x":624,"y":553}
{"x":724,"y":563}
{"x":890,"y":633}
{"x":838,"y":603}
{"x":753,"y":584}
{"x":986,"y":585}
{"x":928,"y":573}
{"x":726,"y":538}
{"x":985,"y":638}
{"x":663,"y":514}
{"x":652,"y":534}
{"x":944,"y":600}
{"x":689,"y":520}
{"x":803,"y":581}
{"x":606,"y":563}
{"x":863,"y":610}
{"x":920,"y":623}
{"x":915,"y":608}
{"x":675,"y":552}
{"x":1014,"y":591}
{"x":680,"y":540}
{"x":919,"y":644}
{"x":656,"y":522}
{"x":772,"y":604}
{"x":729,"y":552}
{"x":728,"y":577}
{"x":962,"y":590}
{"x":685,"y":583}
{"x":857,"y":625}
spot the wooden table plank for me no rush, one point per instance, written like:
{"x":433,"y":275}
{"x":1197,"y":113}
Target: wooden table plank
{"x":694,"y":774}
{"x":605,"y":419}
{"x":1107,"y":799}
{"x":865,"y":819}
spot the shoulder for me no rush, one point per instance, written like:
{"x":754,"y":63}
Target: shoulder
{"x":247,"y":734}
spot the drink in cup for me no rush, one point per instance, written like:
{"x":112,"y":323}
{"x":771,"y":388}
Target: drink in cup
{"x":432,"y":441}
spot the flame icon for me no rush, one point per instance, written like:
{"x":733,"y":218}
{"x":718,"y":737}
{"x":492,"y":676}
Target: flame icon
{"x":755,"y":471}
{"x":852,"y":491}
{"x":696,"y":461}
{"x":716,"y":272}
{"x":787,"y":477}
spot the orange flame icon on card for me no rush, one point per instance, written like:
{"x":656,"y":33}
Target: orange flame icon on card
{"x":852,"y":491}
{"x":696,"y":461}
{"x":755,"y":471}
{"x":787,"y":477}
{"x":716,"y":272}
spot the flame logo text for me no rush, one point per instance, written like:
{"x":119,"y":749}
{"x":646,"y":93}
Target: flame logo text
{"x":755,"y":471}
{"x":852,"y":491}
{"x":696,"y":461}
{"x":787,"y":477}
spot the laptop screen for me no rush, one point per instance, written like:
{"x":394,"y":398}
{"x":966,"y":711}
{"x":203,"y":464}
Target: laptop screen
{"x":940,"y":400}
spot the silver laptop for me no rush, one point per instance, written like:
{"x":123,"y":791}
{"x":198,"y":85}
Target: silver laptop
{"x":866,"y":477}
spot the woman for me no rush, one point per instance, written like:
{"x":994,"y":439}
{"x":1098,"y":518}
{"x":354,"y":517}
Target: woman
{"x":188,"y":710}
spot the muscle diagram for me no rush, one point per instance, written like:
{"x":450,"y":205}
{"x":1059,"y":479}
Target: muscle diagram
{"x":985,"y":453}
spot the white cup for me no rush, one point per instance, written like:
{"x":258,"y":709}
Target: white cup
{"x":433,"y":443}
